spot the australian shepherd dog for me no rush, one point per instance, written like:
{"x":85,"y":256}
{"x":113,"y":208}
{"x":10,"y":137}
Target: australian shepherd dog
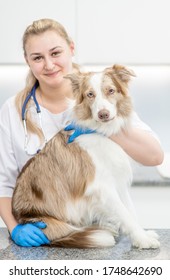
{"x":80,"y":190}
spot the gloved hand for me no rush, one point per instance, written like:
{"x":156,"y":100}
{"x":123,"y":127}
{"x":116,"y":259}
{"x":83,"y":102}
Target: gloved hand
{"x":77,"y":131}
{"x":28,"y":235}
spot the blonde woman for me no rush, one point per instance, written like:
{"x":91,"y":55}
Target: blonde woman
{"x":48,"y":51}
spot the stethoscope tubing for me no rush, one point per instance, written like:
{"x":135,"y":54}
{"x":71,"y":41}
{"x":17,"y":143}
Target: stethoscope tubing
{"x":24,"y":110}
{"x":31,"y":94}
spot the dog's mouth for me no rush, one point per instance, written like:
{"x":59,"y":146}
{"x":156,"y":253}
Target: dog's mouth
{"x":107,"y":120}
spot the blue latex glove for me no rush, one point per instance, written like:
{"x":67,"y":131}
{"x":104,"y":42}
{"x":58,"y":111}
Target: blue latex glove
{"x":28,"y":235}
{"x":77,"y":131}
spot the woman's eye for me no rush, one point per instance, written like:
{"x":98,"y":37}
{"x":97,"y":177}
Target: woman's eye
{"x":54,"y":54}
{"x":111,"y":91}
{"x":37,"y":58}
{"x":90,"y":94}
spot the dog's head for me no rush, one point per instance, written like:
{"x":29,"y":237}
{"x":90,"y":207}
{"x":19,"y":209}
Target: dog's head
{"x":102,"y":100}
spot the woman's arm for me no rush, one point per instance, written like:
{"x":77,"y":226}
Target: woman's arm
{"x":6,"y":213}
{"x":27,"y":235}
{"x":140,"y":145}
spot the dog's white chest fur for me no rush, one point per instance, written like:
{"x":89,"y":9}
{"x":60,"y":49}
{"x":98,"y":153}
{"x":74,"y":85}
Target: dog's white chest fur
{"x":112,"y":174}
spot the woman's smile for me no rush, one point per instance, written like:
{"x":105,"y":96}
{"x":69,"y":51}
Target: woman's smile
{"x":52,"y":74}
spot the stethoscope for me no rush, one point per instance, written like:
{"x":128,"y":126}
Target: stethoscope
{"x":31,"y":95}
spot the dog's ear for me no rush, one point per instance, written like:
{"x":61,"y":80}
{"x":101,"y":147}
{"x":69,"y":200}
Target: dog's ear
{"x":123,"y":73}
{"x":75,"y":79}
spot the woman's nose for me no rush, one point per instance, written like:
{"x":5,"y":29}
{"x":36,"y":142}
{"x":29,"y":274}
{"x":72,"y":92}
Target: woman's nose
{"x":49,"y":65}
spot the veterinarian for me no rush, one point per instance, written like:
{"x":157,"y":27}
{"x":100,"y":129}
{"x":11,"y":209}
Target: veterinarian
{"x":32,"y":117}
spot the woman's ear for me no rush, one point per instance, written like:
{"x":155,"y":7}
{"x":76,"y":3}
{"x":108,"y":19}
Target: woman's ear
{"x":26,"y":60}
{"x":72,"y":48}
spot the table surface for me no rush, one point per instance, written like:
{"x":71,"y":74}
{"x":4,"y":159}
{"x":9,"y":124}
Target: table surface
{"x":121,"y":251}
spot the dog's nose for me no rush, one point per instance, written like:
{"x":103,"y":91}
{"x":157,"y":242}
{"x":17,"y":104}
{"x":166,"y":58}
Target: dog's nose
{"x":103,"y":115}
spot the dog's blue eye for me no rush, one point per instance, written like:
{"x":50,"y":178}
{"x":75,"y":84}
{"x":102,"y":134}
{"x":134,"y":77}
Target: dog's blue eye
{"x":90,"y":94}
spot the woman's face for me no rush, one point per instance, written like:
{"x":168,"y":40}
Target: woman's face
{"x":49,"y":57}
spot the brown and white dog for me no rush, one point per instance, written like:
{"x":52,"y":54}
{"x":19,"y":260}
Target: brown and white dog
{"x":80,"y":190}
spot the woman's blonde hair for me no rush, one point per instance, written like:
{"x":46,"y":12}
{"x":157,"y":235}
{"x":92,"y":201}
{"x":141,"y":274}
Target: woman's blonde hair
{"x":36,"y":28}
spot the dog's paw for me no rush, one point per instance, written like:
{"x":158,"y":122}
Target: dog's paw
{"x":152,"y":233}
{"x":146,"y":240}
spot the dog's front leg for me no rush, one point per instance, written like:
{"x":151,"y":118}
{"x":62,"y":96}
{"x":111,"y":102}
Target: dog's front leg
{"x":127,"y":201}
{"x":140,"y":238}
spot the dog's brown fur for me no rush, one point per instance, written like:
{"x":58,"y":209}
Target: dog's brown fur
{"x":58,"y":174}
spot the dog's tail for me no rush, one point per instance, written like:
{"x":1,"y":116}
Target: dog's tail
{"x":65,"y":235}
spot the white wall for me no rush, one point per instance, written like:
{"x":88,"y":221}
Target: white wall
{"x":124,"y":31}
{"x":105,"y":31}
{"x":16,"y":15}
